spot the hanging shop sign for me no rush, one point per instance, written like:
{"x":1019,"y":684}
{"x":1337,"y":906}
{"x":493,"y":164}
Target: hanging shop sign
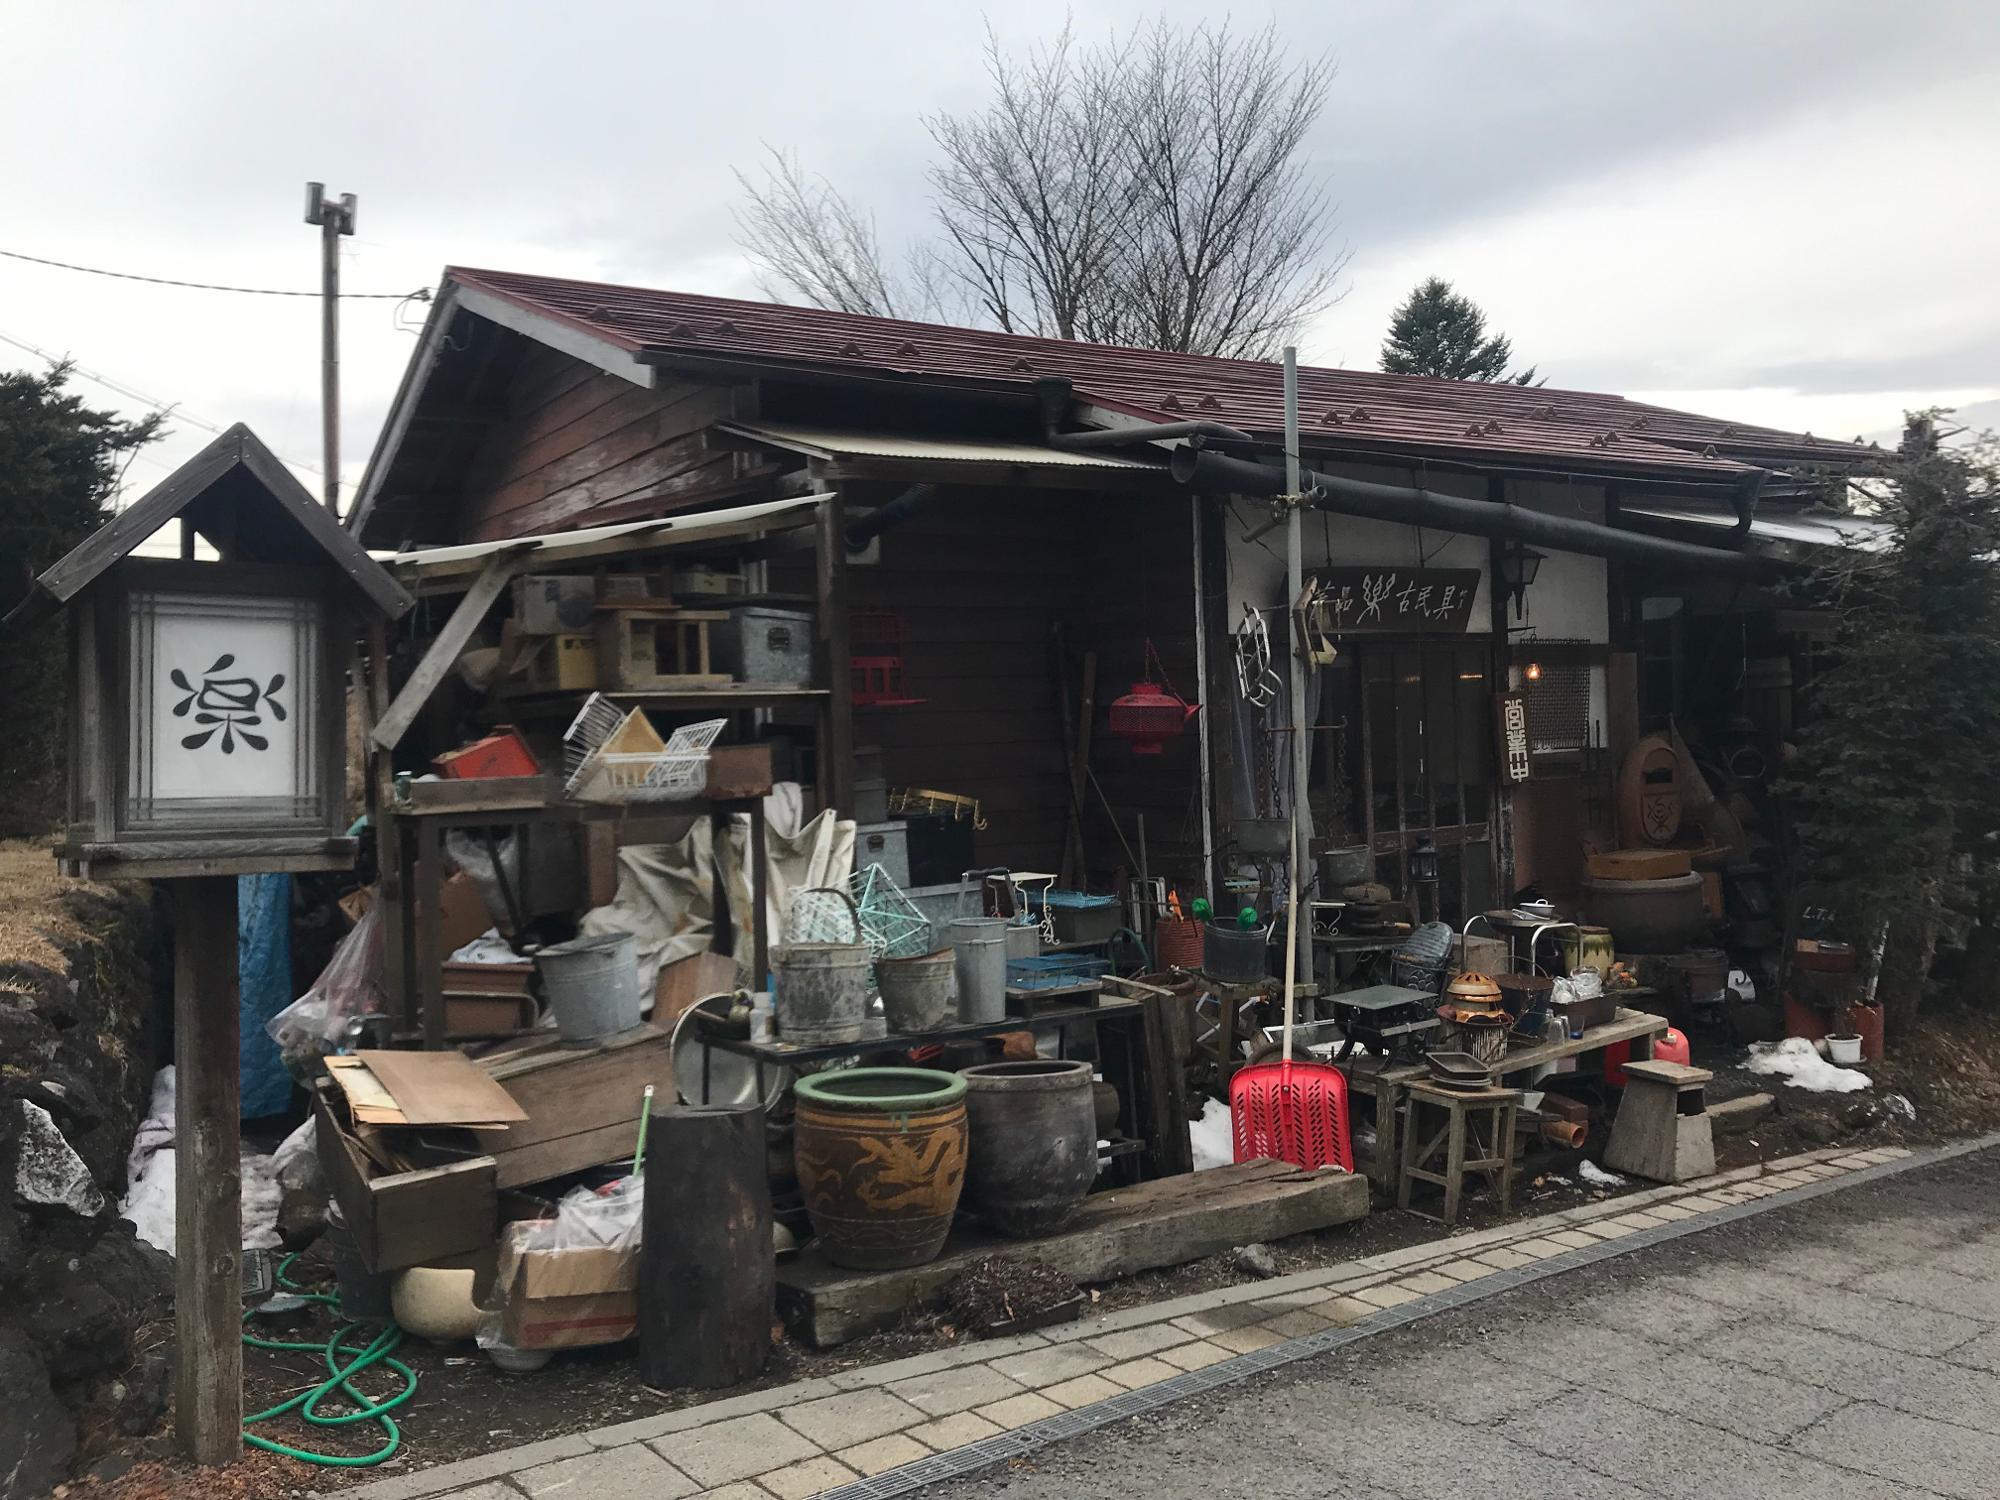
{"x":1391,"y":600}
{"x":1510,"y":722}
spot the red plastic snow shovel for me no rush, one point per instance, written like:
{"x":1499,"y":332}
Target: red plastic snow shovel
{"x":1291,"y":1111}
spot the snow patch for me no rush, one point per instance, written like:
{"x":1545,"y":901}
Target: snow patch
{"x":1799,"y":1064}
{"x":1595,"y":1176}
{"x":1212,"y":1137}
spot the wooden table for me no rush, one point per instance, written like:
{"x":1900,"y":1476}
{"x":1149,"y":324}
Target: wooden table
{"x":1491,"y":1157}
{"x":1132,"y":1053}
{"x":1387,"y":1084}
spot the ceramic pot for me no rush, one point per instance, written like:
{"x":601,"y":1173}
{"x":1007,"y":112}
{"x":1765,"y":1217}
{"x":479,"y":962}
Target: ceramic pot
{"x":881,"y":1159}
{"x":1034,"y":1143}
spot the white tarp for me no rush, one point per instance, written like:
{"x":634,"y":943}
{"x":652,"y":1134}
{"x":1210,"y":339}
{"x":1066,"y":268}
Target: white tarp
{"x":664,"y":890}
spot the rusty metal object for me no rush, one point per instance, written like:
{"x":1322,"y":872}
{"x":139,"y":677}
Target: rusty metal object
{"x":881,"y":1154}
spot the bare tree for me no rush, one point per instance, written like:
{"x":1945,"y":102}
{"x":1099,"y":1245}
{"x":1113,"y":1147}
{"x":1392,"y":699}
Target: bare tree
{"x":808,"y":239}
{"x":1230,"y":251}
{"x":1034,"y":197}
{"x":1147,"y":190}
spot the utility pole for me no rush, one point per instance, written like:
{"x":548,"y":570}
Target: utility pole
{"x":334,"y":219}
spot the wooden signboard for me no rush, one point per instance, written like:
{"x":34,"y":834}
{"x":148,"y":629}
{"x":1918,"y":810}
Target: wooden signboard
{"x":1510,"y":724}
{"x":1399,"y":600}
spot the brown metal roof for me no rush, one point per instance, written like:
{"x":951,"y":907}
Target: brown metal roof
{"x":1360,"y":412}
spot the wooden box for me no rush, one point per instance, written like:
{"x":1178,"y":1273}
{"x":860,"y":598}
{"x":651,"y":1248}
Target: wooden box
{"x":403,"y":1219}
{"x":739,"y":771}
{"x":564,"y":663}
{"x":583,"y":1104}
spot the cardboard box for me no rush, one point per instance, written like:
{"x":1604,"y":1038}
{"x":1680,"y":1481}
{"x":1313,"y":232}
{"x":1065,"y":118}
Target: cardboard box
{"x":739,"y":771}
{"x":462,"y":913}
{"x":568,"y":1299}
{"x":562,"y":663}
{"x":403,"y":1219}
{"x":554,"y":603}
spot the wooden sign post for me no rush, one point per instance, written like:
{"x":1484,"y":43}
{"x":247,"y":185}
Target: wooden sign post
{"x":207,"y":740}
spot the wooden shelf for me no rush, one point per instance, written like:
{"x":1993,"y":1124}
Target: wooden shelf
{"x":739,"y":695}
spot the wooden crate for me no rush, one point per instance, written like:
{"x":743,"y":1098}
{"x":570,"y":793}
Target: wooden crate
{"x":649,"y":646}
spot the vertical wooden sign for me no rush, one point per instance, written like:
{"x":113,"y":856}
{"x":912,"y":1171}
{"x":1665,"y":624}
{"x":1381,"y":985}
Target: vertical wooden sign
{"x":1510,"y":722}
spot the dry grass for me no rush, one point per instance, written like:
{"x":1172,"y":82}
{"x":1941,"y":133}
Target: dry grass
{"x":32,"y":919}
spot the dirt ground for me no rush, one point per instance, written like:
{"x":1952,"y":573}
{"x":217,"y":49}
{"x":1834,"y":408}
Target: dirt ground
{"x":465,"y":1406}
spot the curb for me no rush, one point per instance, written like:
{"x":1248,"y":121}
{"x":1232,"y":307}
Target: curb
{"x":958,"y":1463}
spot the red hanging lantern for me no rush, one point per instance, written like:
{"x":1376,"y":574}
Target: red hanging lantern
{"x":1152,"y":713}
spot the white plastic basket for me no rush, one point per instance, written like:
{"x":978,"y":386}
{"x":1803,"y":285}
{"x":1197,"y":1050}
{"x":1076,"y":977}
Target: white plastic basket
{"x":674,"y":772}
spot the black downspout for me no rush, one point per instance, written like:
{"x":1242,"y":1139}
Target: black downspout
{"x":895,"y":513}
{"x":1054,"y":396}
{"x":1215,"y":473}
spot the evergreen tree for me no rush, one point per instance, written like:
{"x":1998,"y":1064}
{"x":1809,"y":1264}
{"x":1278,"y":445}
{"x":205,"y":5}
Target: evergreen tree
{"x":1438,"y":331}
{"x":1894,"y":795}
{"x":60,"y":463}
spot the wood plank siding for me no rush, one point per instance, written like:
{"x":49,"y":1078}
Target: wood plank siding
{"x":981,"y":579}
{"x":577,"y":447}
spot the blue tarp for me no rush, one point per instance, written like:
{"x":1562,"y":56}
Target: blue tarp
{"x":264,"y":987}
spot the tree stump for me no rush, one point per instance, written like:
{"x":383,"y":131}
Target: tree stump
{"x":707,"y":1278}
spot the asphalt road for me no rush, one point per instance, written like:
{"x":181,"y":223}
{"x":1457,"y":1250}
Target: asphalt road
{"x":1849,"y":1346}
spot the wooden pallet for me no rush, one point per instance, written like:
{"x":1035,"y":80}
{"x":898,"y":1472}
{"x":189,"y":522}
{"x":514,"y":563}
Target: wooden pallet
{"x":1164,"y":1223}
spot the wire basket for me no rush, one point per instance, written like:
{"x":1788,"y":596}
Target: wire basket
{"x":595,"y":722}
{"x":891,"y":924}
{"x":822,"y":914}
{"x":634,"y":766}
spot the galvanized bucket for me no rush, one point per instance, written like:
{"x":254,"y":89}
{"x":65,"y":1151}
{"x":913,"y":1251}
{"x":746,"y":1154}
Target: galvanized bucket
{"x":919,"y":994}
{"x":592,"y":986}
{"x":821,"y":992}
{"x":979,"y":945}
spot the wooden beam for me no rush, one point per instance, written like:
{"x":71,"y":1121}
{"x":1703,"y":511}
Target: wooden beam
{"x":835,"y":659}
{"x":1163,"y":1223}
{"x":208,"y":1229}
{"x":444,"y":650}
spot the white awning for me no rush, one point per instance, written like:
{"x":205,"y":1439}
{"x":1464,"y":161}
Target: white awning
{"x":431,"y":565}
{"x":841,"y":442}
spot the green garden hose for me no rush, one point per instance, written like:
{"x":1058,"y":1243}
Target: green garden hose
{"x":343,"y":1366}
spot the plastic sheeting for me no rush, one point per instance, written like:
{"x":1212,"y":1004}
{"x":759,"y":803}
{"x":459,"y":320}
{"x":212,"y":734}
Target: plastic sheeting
{"x":149,"y":1193}
{"x":264,"y":987}
{"x":664,"y":890}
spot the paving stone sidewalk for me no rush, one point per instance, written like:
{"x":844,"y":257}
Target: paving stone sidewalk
{"x":892,"y":1422}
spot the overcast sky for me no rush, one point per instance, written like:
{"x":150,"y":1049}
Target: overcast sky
{"x":1774,"y":210}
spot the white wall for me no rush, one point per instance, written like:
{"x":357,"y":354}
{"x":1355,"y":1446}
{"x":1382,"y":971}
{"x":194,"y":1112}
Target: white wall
{"x":1568,"y":600}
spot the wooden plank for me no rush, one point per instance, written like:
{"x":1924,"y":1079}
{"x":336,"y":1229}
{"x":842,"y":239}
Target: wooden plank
{"x":444,"y":650}
{"x":1163,"y":1223}
{"x":480,"y":794}
{"x":208,"y":1183}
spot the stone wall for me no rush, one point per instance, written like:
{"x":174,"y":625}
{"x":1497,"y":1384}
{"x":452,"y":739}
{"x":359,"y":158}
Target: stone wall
{"x":79,"y":1296}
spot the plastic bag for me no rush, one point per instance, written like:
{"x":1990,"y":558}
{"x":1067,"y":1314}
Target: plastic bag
{"x":351,"y":985}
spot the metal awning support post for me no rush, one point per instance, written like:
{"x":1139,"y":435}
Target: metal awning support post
{"x":1295,"y":585}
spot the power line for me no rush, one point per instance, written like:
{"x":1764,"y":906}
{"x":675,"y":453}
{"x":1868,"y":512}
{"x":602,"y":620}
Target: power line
{"x":165,"y":408}
{"x":422,"y":293}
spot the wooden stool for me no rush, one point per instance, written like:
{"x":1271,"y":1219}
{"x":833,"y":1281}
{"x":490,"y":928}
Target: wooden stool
{"x":1662,"y":1132}
{"x":1464,"y":1110}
